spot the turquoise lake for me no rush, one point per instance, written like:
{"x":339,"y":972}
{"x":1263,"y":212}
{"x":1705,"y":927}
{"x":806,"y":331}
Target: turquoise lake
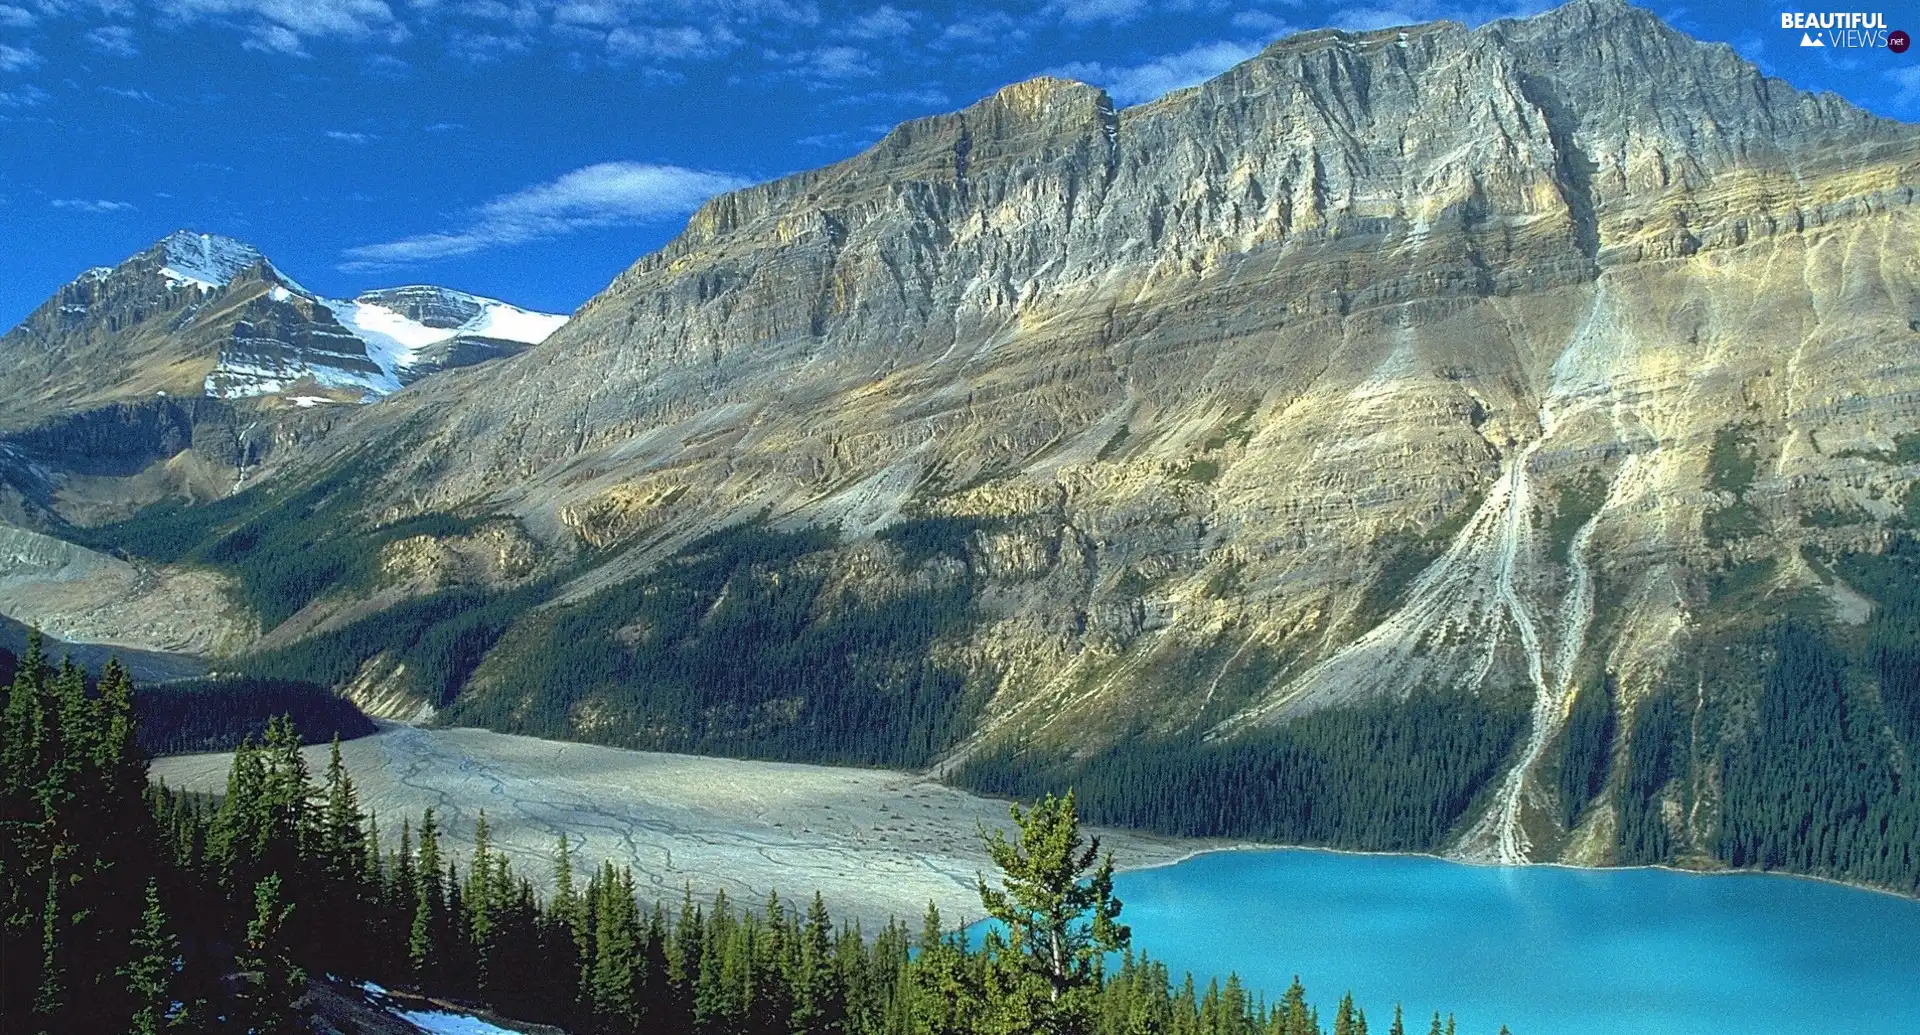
{"x":1545,"y":950}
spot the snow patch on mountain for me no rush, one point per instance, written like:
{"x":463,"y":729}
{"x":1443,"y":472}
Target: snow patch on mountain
{"x":395,"y":340}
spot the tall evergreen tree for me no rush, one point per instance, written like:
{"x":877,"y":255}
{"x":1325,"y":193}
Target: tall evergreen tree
{"x":151,"y":976}
{"x":275,"y":983}
{"x":1056,"y":901}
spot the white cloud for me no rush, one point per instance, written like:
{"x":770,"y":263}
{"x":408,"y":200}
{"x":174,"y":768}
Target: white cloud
{"x":681,"y":42}
{"x":983,"y":29}
{"x":17,"y":59}
{"x":1143,"y":82}
{"x":481,"y":47}
{"x":95,"y":206}
{"x":1906,"y":83}
{"x":1368,"y":17}
{"x":608,"y":194}
{"x":1088,"y":12}
{"x":130,"y":94}
{"x":826,"y":64}
{"x":347,"y":137}
{"x":282,"y":26}
{"x":12,"y":17}
{"x":275,"y":39}
{"x":881,"y":23}
{"x":1261,"y":22}
{"x":922,"y":97}
{"x":28,"y":96}
{"x":113,"y":41}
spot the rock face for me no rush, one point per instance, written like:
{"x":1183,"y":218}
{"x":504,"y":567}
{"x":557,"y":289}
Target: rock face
{"x":1382,"y":361}
{"x":204,"y":314}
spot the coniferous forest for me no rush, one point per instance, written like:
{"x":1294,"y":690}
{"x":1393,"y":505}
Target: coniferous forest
{"x":130,"y":908}
{"x":1823,"y":778}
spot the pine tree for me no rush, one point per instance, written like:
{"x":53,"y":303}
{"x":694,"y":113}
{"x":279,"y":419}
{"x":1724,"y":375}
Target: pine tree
{"x":1399,"y":1023}
{"x":429,"y":908}
{"x":151,"y":975}
{"x":1056,"y":900}
{"x":819,"y":996}
{"x":1343,"y":1018}
{"x":275,"y":983}
{"x":616,"y":951}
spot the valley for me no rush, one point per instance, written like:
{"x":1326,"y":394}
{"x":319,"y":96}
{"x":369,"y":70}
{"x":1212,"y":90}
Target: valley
{"x":878,"y":845}
{"x":1364,"y":411}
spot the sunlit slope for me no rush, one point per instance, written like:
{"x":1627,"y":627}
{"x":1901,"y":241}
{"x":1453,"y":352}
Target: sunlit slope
{"x":1432,"y":363}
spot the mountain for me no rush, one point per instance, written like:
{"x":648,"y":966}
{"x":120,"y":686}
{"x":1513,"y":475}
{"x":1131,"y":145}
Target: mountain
{"x":204,"y":314}
{"x":1406,"y":439}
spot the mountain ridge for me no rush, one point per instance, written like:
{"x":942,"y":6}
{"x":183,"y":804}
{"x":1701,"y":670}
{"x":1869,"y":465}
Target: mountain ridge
{"x":1488,"y":367}
{"x":213,"y":309}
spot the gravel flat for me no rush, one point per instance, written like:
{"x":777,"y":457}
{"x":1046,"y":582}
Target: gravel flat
{"x":876,"y":843}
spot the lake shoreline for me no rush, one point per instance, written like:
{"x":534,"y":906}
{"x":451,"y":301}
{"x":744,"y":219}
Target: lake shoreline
{"x":1259,"y":846}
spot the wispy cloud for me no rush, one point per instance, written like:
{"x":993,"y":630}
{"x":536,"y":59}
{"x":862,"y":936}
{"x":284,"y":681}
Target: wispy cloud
{"x":982,"y":29}
{"x":608,"y":194}
{"x":1906,"y":84}
{"x":1367,"y":17}
{"x":1088,"y":12}
{"x":12,"y":17}
{"x":923,"y":97}
{"x":445,"y":127}
{"x":17,"y":59}
{"x":680,"y":42}
{"x":881,"y":23}
{"x":28,"y":96}
{"x":822,"y":65}
{"x":1132,"y":84}
{"x":348,"y":137}
{"x":113,"y":41}
{"x":92,"y":205}
{"x":283,"y":26}
{"x":128,"y":93}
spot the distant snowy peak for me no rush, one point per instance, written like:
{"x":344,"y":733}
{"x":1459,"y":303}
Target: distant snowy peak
{"x":459,"y":314}
{"x":276,"y":338}
{"x":409,"y":330}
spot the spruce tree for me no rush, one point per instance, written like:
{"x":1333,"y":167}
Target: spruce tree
{"x":1056,"y":901}
{"x":429,"y":908}
{"x":275,"y":983}
{"x":151,"y":975}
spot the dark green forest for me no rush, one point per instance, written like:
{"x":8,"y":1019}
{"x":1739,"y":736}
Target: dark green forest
{"x":1823,"y":779}
{"x":732,"y":647}
{"x":219,"y":714}
{"x":133,"y":909}
{"x":1586,"y":749}
{"x":1388,"y":775}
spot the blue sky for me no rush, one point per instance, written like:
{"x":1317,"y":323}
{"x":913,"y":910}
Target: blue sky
{"x":531,"y":149}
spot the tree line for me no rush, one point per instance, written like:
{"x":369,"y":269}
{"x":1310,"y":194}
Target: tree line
{"x":1385,"y":775}
{"x":132,"y":908}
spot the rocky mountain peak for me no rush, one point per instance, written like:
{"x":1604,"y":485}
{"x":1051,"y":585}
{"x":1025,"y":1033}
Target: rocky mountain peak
{"x":424,"y":304}
{"x":208,"y":260}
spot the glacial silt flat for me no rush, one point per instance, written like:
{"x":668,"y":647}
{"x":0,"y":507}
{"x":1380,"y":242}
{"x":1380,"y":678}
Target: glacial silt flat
{"x":876,"y":843}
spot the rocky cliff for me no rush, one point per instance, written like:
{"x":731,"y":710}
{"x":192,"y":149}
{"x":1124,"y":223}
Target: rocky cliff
{"x":1493,"y":363}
